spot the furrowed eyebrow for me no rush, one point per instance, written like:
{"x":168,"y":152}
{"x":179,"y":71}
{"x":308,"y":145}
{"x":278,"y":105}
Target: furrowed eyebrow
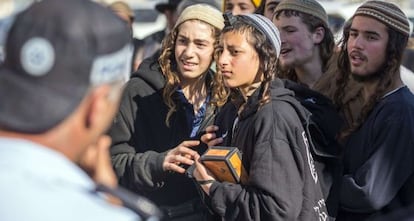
{"x":243,"y":4}
{"x":372,"y":33}
{"x":287,"y":27}
{"x":182,"y":36}
{"x":233,"y":47}
{"x":272,"y":4}
{"x":201,"y":41}
{"x":353,"y":30}
{"x":366,"y":32}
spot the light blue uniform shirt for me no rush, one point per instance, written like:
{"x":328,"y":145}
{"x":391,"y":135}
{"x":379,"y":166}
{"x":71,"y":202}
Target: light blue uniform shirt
{"x":39,"y":184}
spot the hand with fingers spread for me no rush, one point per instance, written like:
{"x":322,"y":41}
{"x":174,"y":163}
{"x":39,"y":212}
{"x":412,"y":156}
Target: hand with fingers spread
{"x":180,"y":155}
{"x":210,"y":138}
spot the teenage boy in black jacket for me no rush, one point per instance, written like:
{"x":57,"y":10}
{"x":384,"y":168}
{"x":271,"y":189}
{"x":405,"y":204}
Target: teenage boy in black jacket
{"x":282,"y":182}
{"x":306,"y":49}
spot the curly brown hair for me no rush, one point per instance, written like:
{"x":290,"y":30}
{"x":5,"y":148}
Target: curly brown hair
{"x":265,"y":50}
{"x":169,"y":69}
{"x":326,"y":46}
{"x":396,"y":45}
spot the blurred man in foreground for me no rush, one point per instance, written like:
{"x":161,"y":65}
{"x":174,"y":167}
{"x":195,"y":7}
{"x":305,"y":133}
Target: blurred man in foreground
{"x":59,"y":89}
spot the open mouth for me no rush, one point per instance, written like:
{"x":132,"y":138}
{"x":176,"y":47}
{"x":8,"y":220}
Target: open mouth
{"x":356,"y":58}
{"x":285,"y":51}
{"x":188,"y":65}
{"x":226,"y":73}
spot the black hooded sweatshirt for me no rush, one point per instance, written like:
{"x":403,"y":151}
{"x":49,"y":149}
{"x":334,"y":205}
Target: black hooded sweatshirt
{"x":141,"y":139}
{"x":282,"y":181}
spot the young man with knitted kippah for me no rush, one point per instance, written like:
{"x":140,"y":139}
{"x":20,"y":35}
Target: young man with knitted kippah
{"x":307,"y":46}
{"x":164,"y":110}
{"x":307,"y":42}
{"x":378,"y":159}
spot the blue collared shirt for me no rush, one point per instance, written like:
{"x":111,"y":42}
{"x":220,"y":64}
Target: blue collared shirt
{"x":38,"y":183}
{"x":194,"y":120}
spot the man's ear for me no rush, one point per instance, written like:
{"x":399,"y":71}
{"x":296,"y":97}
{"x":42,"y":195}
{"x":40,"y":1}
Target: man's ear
{"x":97,"y":105}
{"x":318,"y":35}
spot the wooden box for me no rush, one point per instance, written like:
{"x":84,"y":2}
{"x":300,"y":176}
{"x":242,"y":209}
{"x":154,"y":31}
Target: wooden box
{"x":225,"y":164}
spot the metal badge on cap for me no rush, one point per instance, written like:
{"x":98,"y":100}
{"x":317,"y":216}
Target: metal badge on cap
{"x":37,"y":56}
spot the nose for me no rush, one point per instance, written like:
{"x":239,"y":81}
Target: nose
{"x":223,"y":59}
{"x":282,"y":36}
{"x":356,"y":42}
{"x":236,"y":11}
{"x":189,"y":51}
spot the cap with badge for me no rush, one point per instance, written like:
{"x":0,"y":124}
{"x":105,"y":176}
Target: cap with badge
{"x":55,"y":51}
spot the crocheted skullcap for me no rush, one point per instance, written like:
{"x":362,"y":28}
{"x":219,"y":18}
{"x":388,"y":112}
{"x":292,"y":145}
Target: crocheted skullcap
{"x":387,"y":13}
{"x":202,"y":12}
{"x":267,"y":28}
{"x":310,"y":7}
{"x":259,"y":22}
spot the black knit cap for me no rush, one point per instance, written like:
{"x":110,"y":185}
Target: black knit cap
{"x":55,"y":51}
{"x":387,"y":13}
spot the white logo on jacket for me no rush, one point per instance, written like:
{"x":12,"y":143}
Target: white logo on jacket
{"x":319,"y":210}
{"x":310,"y":158}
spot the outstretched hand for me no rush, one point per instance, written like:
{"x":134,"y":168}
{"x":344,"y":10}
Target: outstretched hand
{"x":180,"y":155}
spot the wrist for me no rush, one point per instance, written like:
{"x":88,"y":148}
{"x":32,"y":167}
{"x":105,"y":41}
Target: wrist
{"x":205,"y":182}
{"x":205,"y":185}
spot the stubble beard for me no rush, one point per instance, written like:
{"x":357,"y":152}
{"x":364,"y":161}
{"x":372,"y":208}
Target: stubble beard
{"x":371,"y":77}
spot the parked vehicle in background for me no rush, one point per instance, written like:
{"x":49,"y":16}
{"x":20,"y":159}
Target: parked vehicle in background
{"x":8,"y":8}
{"x":147,"y":19}
{"x":338,"y":13}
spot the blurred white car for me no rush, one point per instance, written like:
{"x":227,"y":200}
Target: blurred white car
{"x":338,"y":12}
{"x":147,"y":19}
{"x":9,"y":8}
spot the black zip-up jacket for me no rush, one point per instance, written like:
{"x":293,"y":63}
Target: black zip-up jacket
{"x":324,"y":127}
{"x":141,"y":139}
{"x":282,"y":181}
